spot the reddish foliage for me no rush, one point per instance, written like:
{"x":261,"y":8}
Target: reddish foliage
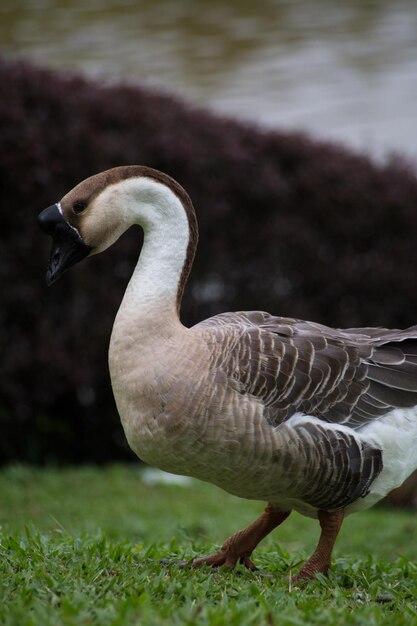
{"x":289,"y":225}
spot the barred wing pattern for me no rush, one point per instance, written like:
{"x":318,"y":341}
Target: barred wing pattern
{"x":328,"y":468}
{"x":348,"y":377}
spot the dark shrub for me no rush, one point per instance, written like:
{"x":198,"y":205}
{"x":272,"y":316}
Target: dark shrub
{"x":288,"y":224}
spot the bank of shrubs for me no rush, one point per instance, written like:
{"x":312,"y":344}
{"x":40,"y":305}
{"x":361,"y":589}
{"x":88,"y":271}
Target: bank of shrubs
{"x":287,"y":224}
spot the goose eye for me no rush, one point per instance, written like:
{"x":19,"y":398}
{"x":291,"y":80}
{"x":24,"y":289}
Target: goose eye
{"x":79,"y":206}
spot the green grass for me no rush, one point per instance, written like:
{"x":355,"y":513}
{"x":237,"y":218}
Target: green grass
{"x":82,"y":547}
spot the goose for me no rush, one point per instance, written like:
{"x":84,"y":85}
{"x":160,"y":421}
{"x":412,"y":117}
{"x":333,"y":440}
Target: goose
{"x":293,"y":413}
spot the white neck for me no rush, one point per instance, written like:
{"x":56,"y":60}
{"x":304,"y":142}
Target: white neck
{"x":153,"y":287}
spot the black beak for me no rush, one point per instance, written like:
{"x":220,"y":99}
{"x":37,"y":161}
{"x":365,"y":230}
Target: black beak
{"x":68,"y":247}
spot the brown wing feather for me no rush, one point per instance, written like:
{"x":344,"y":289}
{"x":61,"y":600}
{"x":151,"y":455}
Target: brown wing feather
{"x":350,"y":376}
{"x":344,"y":377}
{"x":333,"y":467}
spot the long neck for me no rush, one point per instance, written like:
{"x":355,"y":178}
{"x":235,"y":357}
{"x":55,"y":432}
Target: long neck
{"x":154,"y":293}
{"x":154,"y":285}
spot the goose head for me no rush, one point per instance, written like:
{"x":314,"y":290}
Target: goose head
{"x":93,"y":215}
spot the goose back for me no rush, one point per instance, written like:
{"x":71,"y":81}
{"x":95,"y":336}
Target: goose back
{"x":350,"y":376}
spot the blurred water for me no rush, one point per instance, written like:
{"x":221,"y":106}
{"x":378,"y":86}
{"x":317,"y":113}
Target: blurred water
{"x":342,"y":70}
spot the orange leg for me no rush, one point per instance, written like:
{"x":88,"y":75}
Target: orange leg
{"x":320,"y":561}
{"x":240,"y":546}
